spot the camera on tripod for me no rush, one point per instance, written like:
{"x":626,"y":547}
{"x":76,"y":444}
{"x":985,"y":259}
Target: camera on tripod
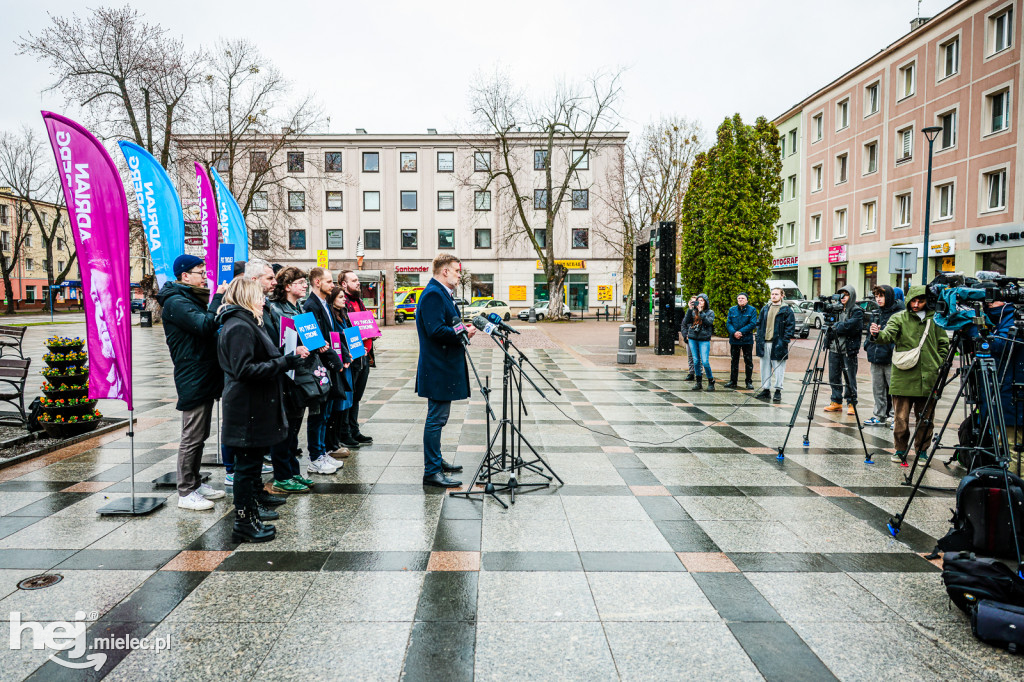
{"x":830,"y":307}
{"x":950,"y":293}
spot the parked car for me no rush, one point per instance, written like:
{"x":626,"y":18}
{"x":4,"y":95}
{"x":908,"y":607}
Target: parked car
{"x":542,"y":312}
{"x":800,"y":315}
{"x":486,"y":307}
{"x":138,"y":305}
{"x":811,"y":318}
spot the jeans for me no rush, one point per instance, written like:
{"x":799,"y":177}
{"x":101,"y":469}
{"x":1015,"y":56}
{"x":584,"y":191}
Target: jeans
{"x":227,"y":456}
{"x":195,"y":429}
{"x":748,"y":362}
{"x":316,"y":430}
{"x":689,"y":355}
{"x":700,"y":352}
{"x":772,"y":371}
{"x":359,"y":379}
{"x":285,"y":455}
{"x":437,"y":417}
{"x":901,"y":428}
{"x":836,"y":378}
{"x":248,"y":479}
{"x":880,"y":378}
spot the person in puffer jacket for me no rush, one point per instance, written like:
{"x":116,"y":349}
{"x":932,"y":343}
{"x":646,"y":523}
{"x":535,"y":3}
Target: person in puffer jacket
{"x":699,"y":323}
{"x":845,"y":344}
{"x":740,"y":324}
{"x":880,"y":357}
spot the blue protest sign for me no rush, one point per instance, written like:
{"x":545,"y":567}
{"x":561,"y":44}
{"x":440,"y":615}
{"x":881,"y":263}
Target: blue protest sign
{"x":355,"y":342}
{"x":226,"y":260}
{"x":309,"y":331}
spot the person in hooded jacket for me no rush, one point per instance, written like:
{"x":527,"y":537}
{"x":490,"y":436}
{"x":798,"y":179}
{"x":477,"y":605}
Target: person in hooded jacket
{"x":253,"y":405}
{"x":741,"y":323}
{"x":1008,"y":352}
{"x":880,"y":357}
{"x":699,"y":323}
{"x":776,"y":327}
{"x":845,"y":345}
{"x":191,"y":332}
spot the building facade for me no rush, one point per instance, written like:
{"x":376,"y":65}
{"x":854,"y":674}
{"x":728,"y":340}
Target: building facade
{"x":397,"y":200}
{"x":786,"y":252}
{"x":866,"y":157}
{"x":28,"y":280}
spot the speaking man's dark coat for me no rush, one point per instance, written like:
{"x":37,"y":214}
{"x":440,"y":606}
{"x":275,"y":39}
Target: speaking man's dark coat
{"x":442,"y":372}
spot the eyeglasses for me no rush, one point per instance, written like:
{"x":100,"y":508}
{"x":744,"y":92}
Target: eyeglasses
{"x":194,"y":272}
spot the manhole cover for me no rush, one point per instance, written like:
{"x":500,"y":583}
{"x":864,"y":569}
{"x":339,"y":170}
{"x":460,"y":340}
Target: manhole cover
{"x":38,"y":582}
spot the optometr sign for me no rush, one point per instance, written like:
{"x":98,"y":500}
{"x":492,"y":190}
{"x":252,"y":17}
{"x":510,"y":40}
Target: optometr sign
{"x":996,"y":237}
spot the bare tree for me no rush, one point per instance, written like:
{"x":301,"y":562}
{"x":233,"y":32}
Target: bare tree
{"x":648,"y":183}
{"x":27,"y":168}
{"x":566,"y":128}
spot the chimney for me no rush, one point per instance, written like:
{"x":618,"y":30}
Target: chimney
{"x":360,"y":131}
{"x":431,"y":131}
{"x":918,"y":23}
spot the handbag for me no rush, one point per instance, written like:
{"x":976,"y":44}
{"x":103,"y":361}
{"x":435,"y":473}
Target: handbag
{"x":908,"y":359}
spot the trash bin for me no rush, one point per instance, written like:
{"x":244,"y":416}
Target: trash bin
{"x":532,"y":316}
{"x":146,"y":318}
{"x":627,"y":344}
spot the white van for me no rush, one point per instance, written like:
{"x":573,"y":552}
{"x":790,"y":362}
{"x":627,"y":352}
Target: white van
{"x":789,"y":289}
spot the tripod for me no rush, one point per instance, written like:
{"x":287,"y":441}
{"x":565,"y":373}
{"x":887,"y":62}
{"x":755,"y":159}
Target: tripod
{"x":813,"y":377}
{"x":509,"y":459}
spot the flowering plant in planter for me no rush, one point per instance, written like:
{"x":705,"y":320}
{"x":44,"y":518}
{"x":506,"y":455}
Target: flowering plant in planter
{"x":65,"y":402}
{"x":70,"y":371}
{"x":58,"y":357}
{"x":65,"y":342}
{"x":78,"y":419}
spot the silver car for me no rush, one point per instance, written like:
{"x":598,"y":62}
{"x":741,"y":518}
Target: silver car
{"x":810,"y":317}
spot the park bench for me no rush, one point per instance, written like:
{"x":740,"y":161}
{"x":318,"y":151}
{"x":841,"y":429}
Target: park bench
{"x":13,"y":374}
{"x":11,"y":337}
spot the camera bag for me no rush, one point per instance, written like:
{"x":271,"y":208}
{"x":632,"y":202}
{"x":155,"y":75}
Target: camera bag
{"x":908,"y":359}
{"x":1000,"y":625}
{"x":969,"y":580}
{"x":981,"y":521}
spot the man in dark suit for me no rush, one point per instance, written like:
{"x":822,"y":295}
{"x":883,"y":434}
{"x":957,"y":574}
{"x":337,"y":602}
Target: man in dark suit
{"x":442,"y":374}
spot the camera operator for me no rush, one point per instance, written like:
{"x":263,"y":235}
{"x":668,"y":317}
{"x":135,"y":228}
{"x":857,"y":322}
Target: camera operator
{"x":910,"y":387}
{"x":880,"y":356}
{"x":1009,"y":357}
{"x":846,"y":336}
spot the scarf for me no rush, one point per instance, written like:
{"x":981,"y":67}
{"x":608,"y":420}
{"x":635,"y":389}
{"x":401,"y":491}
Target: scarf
{"x":769,"y":328}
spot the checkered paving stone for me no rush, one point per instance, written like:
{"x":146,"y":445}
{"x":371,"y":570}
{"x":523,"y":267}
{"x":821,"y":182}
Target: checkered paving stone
{"x":676,"y":524}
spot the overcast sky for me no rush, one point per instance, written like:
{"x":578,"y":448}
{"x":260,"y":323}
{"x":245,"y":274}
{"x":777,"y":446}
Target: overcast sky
{"x":403,"y":67}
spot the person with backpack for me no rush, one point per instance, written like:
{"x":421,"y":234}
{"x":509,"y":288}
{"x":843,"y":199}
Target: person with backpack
{"x":919,"y":347}
{"x":741,"y":323}
{"x":776,"y":327}
{"x":684,"y":334}
{"x":880,"y":357}
{"x":699,"y":323}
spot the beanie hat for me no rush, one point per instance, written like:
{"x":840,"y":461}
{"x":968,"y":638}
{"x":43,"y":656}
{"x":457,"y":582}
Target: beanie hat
{"x":184,"y":263}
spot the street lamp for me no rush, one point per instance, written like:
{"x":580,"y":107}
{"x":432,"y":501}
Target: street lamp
{"x":930,"y":132}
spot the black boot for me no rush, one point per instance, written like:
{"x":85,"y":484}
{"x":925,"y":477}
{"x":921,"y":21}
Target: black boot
{"x":268,"y":500}
{"x":267,"y":514}
{"x":249,"y":528}
{"x":698,"y":386}
{"x":689,"y":377}
{"x":711,"y":384}
{"x":732,"y":383}
{"x":778,"y":395}
{"x":750,"y":385}
{"x":764,"y":394}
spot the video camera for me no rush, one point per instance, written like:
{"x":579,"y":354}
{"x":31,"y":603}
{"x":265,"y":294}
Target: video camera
{"x":830,"y":307}
{"x":955,"y":297}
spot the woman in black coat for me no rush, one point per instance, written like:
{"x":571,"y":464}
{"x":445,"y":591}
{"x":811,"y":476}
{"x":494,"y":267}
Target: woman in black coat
{"x":253,"y":416}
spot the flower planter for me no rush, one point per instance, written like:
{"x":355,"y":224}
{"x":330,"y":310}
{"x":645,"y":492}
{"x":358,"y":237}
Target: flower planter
{"x":68,"y":379}
{"x":54,"y":430}
{"x":65,"y":364}
{"x":71,"y":410}
{"x":67,"y":392}
{"x":64,"y":350}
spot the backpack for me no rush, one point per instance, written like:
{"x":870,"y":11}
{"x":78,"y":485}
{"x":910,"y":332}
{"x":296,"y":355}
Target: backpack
{"x":969,"y":579}
{"x":981,"y":521}
{"x":35,"y":411}
{"x":1000,"y":625}
{"x":969,"y":436}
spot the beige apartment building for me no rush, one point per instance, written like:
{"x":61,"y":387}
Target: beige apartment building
{"x":865,"y":158}
{"x":28,"y":280}
{"x":403,"y":198}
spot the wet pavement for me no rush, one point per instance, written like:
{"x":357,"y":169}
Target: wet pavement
{"x":678,"y":547}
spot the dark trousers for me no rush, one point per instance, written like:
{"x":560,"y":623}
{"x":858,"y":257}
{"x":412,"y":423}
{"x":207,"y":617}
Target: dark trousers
{"x":748,"y":361}
{"x":437,"y":417}
{"x":195,"y":429}
{"x":227,"y":456}
{"x":359,"y":380}
{"x":316,"y":430}
{"x":285,"y":455}
{"x":335,"y":433}
{"x":836,"y":379}
{"x":248,"y":479}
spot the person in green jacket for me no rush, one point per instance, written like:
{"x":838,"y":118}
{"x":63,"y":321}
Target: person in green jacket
{"x":910,"y":388}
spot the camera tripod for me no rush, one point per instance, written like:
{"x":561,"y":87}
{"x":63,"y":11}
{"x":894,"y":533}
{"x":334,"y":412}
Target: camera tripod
{"x":509,"y":459}
{"x":813,"y":377}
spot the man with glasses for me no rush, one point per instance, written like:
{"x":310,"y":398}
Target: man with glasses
{"x":442,"y":374}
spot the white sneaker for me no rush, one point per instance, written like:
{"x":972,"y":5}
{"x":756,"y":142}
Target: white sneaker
{"x":321,"y":466}
{"x":333,"y":462}
{"x":209,"y":493}
{"x":267,"y":468}
{"x":194,"y":501}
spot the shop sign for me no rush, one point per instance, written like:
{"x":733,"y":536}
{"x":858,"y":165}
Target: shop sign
{"x":569,"y":264}
{"x":997,"y":237}
{"x":870,"y":270}
{"x":411,"y":268}
{"x":837,"y":254}
{"x":936,"y":249}
{"x":604,"y":292}
{"x":321,"y":258}
{"x":785,"y":262}
{"x":517,"y":292}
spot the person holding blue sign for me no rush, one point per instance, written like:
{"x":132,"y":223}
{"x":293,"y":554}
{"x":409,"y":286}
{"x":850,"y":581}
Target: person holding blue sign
{"x":320,"y":461}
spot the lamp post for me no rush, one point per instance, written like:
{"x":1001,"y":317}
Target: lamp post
{"x":930,"y":132}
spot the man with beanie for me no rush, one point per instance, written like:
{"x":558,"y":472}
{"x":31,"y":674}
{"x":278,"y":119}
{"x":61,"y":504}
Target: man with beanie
{"x":880,"y":357}
{"x":775,"y":328}
{"x":741,"y":323}
{"x":191,"y":332}
{"x":846,"y":336}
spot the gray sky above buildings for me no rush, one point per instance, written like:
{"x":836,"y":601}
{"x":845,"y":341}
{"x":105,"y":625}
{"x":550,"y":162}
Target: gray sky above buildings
{"x":404,"y":66}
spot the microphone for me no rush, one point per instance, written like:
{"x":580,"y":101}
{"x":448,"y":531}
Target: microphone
{"x":481,"y":323}
{"x":500,"y":324}
{"x":460,"y":329}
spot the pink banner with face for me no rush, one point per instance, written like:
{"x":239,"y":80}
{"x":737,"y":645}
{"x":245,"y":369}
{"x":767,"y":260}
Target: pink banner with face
{"x":208,"y":223}
{"x":98,"y":211}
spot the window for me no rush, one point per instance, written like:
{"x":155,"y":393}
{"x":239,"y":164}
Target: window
{"x":260,"y":239}
{"x":540,"y":199}
{"x":902,"y":210}
{"x":580,"y":238}
{"x":446,"y":162}
{"x":28,"y":238}
{"x":46,"y":265}
{"x":843,"y":114}
{"x":841,"y":166}
{"x":5,"y":240}
{"x":870,"y":157}
{"x":446,"y":201}
{"x":409,"y":239}
{"x":30,"y":292}
{"x":371,"y":201}
{"x":1001,"y":29}
{"x":792,"y":186}
{"x":782,"y":146}
{"x":540,"y":159}
{"x":908,"y":80}
{"x":60,"y":245}
{"x":839,"y":224}
{"x":371,"y":240}
{"x":944,"y":194}
{"x":60,"y":266}
{"x":816,"y":228}
{"x":792,"y":142}
{"x":948,"y":123}
{"x":30,"y":264}
{"x":332,"y":162}
{"x":905,"y":145}
{"x":220,"y":162}
{"x":482,"y":200}
{"x":791,"y":234}
{"x":258,"y":162}
{"x":949,"y":58}
{"x":371,"y":162}
{"x":995,"y":184}
{"x":778,"y":236}
{"x":581,"y":159}
{"x":482,"y":285}
{"x":999,"y":111}
{"x":296,"y":240}
{"x":482,"y":239}
{"x":994,"y":261}
{"x":335,"y":239}
{"x":296,"y":201}
{"x":5,"y":216}
{"x":871,"y":99}
{"x":296,"y":162}
{"x":407,"y":162}
{"x":446,"y":239}
{"x":819,"y":127}
{"x":334,"y":201}
{"x":260,"y":201}
{"x":481,"y":161}
{"x":541,"y":236}
{"x":408,"y":199}
{"x":816,"y":175}
{"x":867,"y":212}
{"x":580,"y":199}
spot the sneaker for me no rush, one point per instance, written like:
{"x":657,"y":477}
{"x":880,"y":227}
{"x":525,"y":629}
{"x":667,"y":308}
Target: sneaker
{"x":229,"y":479}
{"x":289,"y":487}
{"x":850,"y":409}
{"x":922,"y":456}
{"x":898,"y":458}
{"x":308,"y":482}
{"x":267,"y":468}
{"x":194,"y":501}
{"x":778,"y":396}
{"x":891,"y":421}
{"x":321,"y":466}
{"x":267,"y":458}
{"x":750,"y":385}
{"x":333,"y":462}
{"x":874,"y":421}
{"x":360,"y":438}
{"x":209,"y":493}
{"x":834,"y":407}
{"x":763,"y":394}
{"x":339,"y":452}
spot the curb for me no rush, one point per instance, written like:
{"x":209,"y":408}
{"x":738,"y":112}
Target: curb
{"x":32,"y":454}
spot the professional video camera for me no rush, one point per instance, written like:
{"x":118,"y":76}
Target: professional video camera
{"x":954,"y":297}
{"x":830,"y":307}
